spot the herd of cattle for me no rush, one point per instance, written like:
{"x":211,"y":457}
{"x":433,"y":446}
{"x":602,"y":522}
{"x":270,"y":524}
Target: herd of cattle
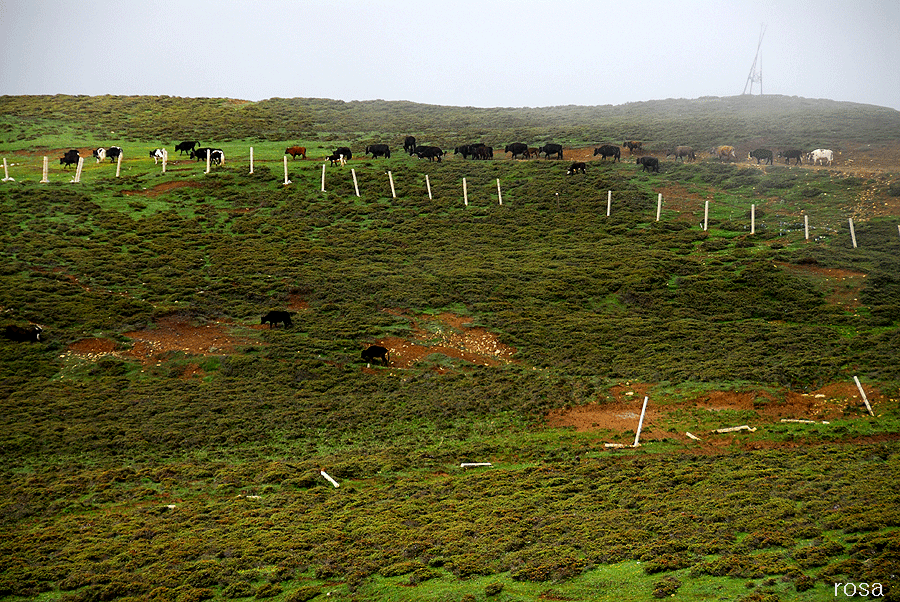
{"x":480,"y":150}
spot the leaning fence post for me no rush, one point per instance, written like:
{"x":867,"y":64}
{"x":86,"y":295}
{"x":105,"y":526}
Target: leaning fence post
{"x":286,"y":181}
{"x":863,"y":393}
{"x":393,"y":190}
{"x":499,"y":195}
{"x":355,"y":182}
{"x":428,"y":185}
{"x":465,"y":193}
{"x":608,"y":202}
{"x":637,"y":435}
{"x":852,"y":233}
{"x":251,"y":159}
{"x":6,"y":177}
{"x":44,"y":179}
{"x":706,"y":216}
{"x":119,"y":164}
{"x":658,"y":206}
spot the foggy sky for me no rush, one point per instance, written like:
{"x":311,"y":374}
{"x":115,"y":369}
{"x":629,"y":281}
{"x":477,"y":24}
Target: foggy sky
{"x":489,"y":53}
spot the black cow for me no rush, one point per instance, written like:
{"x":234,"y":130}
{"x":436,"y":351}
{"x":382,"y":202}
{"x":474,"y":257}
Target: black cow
{"x":517,"y":148}
{"x":335,"y":159}
{"x":609,"y":150}
{"x":70,"y":158}
{"x":113,"y":153}
{"x":552,"y":149}
{"x":409,"y":145}
{"x":379,"y":150}
{"x":17,"y":333}
{"x":429,"y":152}
{"x":187,"y":146}
{"x":344,"y":150}
{"x":275,"y":316}
{"x":633,"y":145}
{"x":200,"y":153}
{"x":468,"y":149}
{"x":681,"y":152}
{"x":761,"y":154}
{"x":791,"y":154}
{"x":649,"y":163}
{"x":376,"y":352}
{"x":576,"y":167}
{"x":483,"y":152}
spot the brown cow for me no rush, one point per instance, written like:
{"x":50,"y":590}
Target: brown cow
{"x":633,"y":145}
{"x":722,"y":152}
{"x":296,"y":150}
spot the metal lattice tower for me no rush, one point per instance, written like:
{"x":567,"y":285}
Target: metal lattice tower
{"x":756,"y":74}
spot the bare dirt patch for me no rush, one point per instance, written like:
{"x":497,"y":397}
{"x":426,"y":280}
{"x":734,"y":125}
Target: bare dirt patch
{"x":842,"y":287}
{"x":177,"y":333}
{"x":163,"y":188}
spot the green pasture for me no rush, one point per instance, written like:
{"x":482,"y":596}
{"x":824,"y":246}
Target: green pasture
{"x":195,"y":477}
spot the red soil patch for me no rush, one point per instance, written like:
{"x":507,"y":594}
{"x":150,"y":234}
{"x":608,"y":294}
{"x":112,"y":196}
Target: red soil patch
{"x":163,"y":188}
{"x":842,"y":287}
{"x":175,"y":333}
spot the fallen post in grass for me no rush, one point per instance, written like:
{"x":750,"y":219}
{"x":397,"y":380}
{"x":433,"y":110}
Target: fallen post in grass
{"x":44,"y":179}
{"x":734,"y":429}
{"x":863,"y":393}
{"x":355,"y":182}
{"x":328,"y":478}
{"x":852,"y":233}
{"x":614,"y":445}
{"x":637,"y":435}
{"x":474,"y":464}
{"x":693,"y":436}
{"x":6,"y":177}
{"x":798,"y":420}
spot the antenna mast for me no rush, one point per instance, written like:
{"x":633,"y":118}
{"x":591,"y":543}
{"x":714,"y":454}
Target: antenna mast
{"x":756,"y":76}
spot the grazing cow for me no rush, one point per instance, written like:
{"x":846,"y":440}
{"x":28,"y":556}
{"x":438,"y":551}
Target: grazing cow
{"x":429,"y":152}
{"x":99,"y":154}
{"x":649,"y":163}
{"x":761,"y":154}
{"x":820,"y":154}
{"x":468,"y":149}
{"x":275,"y":316}
{"x":483,"y":152}
{"x":551,"y":149}
{"x":722,"y":152}
{"x":293,"y":151}
{"x":187,"y":146}
{"x":112,"y":153}
{"x":609,"y":150}
{"x":531,"y":152}
{"x":22,"y":335}
{"x":576,"y":167}
{"x":379,"y":150}
{"x":345,"y":151}
{"x":374,"y":352}
{"x":217,"y":156}
{"x":409,"y":145}
{"x":633,"y":145}
{"x":517,"y":148}
{"x":200,"y":153}
{"x":336,"y":158}
{"x":70,"y":158}
{"x":791,"y":154}
{"x":157,"y":154}
{"x":681,"y":152}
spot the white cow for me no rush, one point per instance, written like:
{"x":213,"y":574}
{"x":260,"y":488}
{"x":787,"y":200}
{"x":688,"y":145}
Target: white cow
{"x":820,"y":154}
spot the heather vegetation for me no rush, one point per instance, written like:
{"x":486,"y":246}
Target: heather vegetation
{"x":187,"y":474}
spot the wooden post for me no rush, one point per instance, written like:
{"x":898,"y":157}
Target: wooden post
{"x":608,"y":202}
{"x":208,"y":154}
{"x":393,"y":190}
{"x":165,"y":159}
{"x":328,"y":478}
{"x":78,"y":170}
{"x":119,"y":164}
{"x":251,"y":159}
{"x":286,"y":181}
{"x":428,"y":185}
{"x":863,"y":393}
{"x":499,"y":195}
{"x":752,"y":219}
{"x":355,"y":182}
{"x":706,"y":216}
{"x":6,"y":177}
{"x":44,"y":179}
{"x":465,"y":193}
{"x":658,"y":206}
{"x":806,"y":225}
{"x":852,"y":233}
{"x":323,"y":177}
{"x":637,"y":435}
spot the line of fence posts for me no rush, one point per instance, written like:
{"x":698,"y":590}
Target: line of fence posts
{"x":77,"y":179}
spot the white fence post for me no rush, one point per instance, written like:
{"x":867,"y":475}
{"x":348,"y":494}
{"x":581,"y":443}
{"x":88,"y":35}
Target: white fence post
{"x":863,"y":393}
{"x":393,"y":190}
{"x":752,"y":219}
{"x":608,"y":202}
{"x":355,"y":182}
{"x":499,"y":194}
{"x":251,"y":159}
{"x":6,"y":177}
{"x":208,"y":154}
{"x":852,"y":233}
{"x":44,"y":179}
{"x":706,"y":216}
{"x":119,"y":164}
{"x":637,"y":435}
{"x":428,"y":184}
{"x":806,"y":225}
{"x":658,"y":206}
{"x":286,"y":181}
{"x":78,"y":170}
{"x":165,"y":159}
{"x":323,"y":177}
{"x":465,"y":193}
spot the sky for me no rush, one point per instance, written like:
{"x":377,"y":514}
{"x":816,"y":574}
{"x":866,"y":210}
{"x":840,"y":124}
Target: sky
{"x":488,"y":53}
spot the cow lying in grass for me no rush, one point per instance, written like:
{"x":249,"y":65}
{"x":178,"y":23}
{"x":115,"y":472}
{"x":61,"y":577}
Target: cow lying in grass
{"x":17,"y":333}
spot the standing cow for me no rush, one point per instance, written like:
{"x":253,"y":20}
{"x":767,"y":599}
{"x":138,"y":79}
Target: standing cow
{"x":293,"y":151}
{"x":649,"y":163}
{"x":187,"y":146}
{"x":409,"y":145}
{"x":723,"y":153}
{"x":70,"y":158}
{"x":551,"y":149}
{"x":379,"y":150}
{"x":609,"y":150}
{"x":633,"y":146}
{"x":517,"y":148}
{"x":576,"y":167}
{"x":374,"y":352}
{"x":791,"y":154}
{"x":820,"y":154}
{"x":681,"y":152}
{"x":761,"y":154}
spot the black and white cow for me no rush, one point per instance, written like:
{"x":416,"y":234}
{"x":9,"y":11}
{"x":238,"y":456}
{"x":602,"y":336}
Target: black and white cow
{"x":761,"y":154}
{"x":217,"y":156}
{"x":374,"y":352}
{"x":609,"y":150}
{"x":649,"y":163}
{"x":17,"y":333}
{"x":576,"y":167}
{"x":70,"y":158}
{"x":379,"y":150}
{"x":112,"y":153}
{"x":157,"y":155}
{"x":551,"y":149}
{"x":187,"y":146}
{"x":345,"y":151}
{"x":276,"y":316}
{"x":517,"y":148}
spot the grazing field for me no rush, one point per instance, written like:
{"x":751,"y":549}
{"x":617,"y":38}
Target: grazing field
{"x":161,"y":443}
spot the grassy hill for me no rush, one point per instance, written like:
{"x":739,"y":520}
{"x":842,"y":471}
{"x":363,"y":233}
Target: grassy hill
{"x":191,"y":472}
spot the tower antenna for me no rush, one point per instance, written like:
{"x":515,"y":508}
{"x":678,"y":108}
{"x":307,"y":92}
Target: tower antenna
{"x":756,"y":75}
